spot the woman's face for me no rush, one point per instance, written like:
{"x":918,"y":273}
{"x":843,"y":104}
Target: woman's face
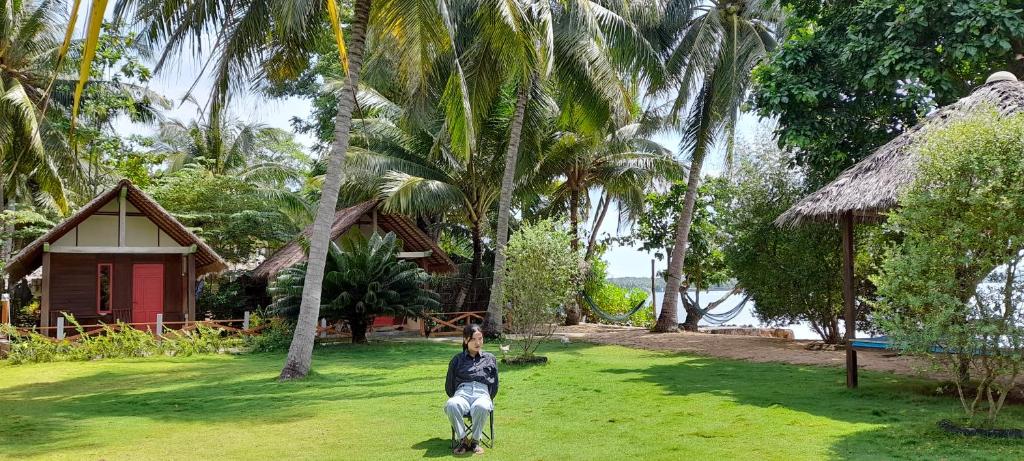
{"x":475,"y":343}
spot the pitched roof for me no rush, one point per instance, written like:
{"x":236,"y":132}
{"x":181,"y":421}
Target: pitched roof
{"x":413,"y":239}
{"x":31,"y":257}
{"x":873,"y":185}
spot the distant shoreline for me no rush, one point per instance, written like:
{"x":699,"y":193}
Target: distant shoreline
{"x":644,"y":283}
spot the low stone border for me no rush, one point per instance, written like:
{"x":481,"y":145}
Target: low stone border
{"x":952,"y":428}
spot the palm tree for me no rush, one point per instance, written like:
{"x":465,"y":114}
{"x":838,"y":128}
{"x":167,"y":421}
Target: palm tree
{"x":713,"y":46}
{"x":416,"y":172}
{"x":274,"y":38}
{"x":564,"y":44}
{"x":363,"y":279}
{"x":29,"y":146}
{"x":264,"y":156}
{"x":622,"y":165}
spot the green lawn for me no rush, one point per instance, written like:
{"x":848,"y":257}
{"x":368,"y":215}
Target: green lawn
{"x":383,"y":401}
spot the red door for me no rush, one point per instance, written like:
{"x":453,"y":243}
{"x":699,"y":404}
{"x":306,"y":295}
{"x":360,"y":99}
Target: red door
{"x":147,"y":292}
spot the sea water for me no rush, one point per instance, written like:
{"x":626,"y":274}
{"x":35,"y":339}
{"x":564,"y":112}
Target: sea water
{"x":746,"y":317}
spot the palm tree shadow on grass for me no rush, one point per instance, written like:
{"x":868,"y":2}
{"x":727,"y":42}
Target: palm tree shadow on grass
{"x":42,"y":415}
{"x":904,"y":407}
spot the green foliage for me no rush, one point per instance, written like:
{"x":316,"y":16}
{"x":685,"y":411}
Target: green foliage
{"x":962,"y":219}
{"x":542,"y":274}
{"x":227,"y":211}
{"x":229,"y":294}
{"x":362,"y":279}
{"x":854,"y":73}
{"x":615,"y":300}
{"x":655,"y":230}
{"x":116,"y":341}
{"x":275,"y":337}
{"x":793,"y":273}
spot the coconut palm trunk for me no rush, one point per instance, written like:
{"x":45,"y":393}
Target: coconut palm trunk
{"x":494,"y":306}
{"x":668,"y":321}
{"x":572,"y":311}
{"x":300,"y":354}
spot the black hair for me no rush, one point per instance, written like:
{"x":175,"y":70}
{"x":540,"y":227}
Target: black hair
{"x":468,"y":332}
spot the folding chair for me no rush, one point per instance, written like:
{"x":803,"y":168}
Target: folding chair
{"x":488,"y":436}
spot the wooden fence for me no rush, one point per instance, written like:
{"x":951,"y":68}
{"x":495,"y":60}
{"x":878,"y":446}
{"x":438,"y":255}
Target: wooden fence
{"x":448,"y":323}
{"x":432,"y":324}
{"x":233,"y":327}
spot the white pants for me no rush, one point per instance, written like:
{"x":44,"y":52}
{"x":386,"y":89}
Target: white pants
{"x":471,"y":399}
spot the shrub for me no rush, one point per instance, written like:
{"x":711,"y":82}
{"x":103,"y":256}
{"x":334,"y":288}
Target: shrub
{"x":961,"y":220}
{"x":277,"y":336}
{"x":228,"y":295}
{"x":614,"y":299}
{"x":362,"y":279}
{"x":542,"y":273}
{"x":117,"y":341}
{"x":792,"y":274}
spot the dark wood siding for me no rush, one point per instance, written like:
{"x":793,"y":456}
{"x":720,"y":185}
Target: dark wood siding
{"x":73,"y":285}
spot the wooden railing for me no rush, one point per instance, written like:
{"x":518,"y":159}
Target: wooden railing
{"x":232,"y":327}
{"x":448,"y":323}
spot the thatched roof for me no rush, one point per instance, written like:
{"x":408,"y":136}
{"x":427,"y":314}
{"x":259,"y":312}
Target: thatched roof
{"x":872,"y":186}
{"x":31,"y":257}
{"x":413,"y":239}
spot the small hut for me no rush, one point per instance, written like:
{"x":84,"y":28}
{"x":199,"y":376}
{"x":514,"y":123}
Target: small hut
{"x":366,"y":218}
{"x":866,"y":191}
{"x":120,"y":257}
{"x":416,"y":245}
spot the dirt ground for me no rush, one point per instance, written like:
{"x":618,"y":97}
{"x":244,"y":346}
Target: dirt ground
{"x":750,"y":348}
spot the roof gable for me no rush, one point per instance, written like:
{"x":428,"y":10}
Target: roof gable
{"x":30,"y":257}
{"x":413,"y":239}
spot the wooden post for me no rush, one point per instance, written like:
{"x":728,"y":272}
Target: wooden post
{"x":654,"y":302}
{"x":5,"y":308}
{"x":121,"y":212}
{"x":60,"y":327}
{"x":159,"y":324}
{"x":44,"y":301}
{"x":323,"y":327}
{"x":191,"y":279}
{"x":850,"y":316}
{"x":245,"y":320}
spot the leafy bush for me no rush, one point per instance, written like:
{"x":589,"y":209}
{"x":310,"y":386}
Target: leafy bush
{"x":277,"y":336}
{"x":362,"y":279}
{"x":542,"y":273}
{"x":961,"y":220}
{"x":792,"y":274}
{"x":120,"y":342}
{"x":228,"y":295}
{"x":617,"y":300}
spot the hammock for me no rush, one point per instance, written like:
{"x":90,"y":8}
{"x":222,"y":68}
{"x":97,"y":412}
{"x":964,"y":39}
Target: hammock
{"x":616,"y":318}
{"x":718,"y":319}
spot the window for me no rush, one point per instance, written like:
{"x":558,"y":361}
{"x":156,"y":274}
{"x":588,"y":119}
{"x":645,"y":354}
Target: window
{"x":104,"y":287}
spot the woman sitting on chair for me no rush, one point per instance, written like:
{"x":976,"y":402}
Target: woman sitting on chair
{"x":471,"y":385}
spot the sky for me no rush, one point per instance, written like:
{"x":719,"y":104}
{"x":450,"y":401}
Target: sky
{"x":175,"y":80}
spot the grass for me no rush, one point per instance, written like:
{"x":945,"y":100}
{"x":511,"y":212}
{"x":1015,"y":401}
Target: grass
{"x":383,"y":401}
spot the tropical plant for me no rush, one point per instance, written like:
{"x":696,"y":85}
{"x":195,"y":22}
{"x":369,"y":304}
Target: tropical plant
{"x":276,"y":39}
{"x":851,"y":75}
{"x":962,"y":219}
{"x":791,"y":274}
{"x":363,"y":279}
{"x":578,"y":49}
{"x":543,"y":273}
{"x":712,"y":49}
{"x":235,"y":216}
{"x":655,"y":232}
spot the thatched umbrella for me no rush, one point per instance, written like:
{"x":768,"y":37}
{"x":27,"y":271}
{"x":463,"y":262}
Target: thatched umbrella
{"x":867,"y":190}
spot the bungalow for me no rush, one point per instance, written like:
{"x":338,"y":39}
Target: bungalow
{"x":416,"y":246}
{"x":120,"y":257}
